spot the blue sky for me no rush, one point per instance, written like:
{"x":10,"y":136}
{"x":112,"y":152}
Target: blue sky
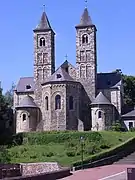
{"x":114,"y":19}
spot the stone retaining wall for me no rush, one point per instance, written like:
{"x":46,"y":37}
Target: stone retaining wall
{"x":38,"y":168}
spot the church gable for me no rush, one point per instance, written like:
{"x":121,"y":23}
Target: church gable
{"x":69,"y":68}
{"x":25,"y":84}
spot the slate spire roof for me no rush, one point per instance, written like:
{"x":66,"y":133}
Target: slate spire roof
{"x":27,"y":101}
{"x":44,"y":23}
{"x":101,"y":99}
{"x":85,"y":19}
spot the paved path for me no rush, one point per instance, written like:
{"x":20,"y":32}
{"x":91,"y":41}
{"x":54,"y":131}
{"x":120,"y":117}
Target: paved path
{"x":130,"y":159}
{"x":111,"y":172}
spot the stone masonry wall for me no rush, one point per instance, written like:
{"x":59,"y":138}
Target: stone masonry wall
{"x":39,"y":168}
{"x":44,"y":61}
{"x":106,"y":120}
{"x":31,"y":121}
{"x":73,"y":115}
{"x":86,"y":60}
{"x":58,"y":117}
{"x":46,"y":114}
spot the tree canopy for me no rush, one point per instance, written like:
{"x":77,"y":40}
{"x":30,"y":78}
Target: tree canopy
{"x":129,"y":90}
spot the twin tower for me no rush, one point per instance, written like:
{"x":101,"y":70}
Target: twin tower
{"x":86,"y":61}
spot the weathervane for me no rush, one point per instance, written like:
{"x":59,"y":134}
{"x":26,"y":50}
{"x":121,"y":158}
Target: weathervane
{"x":66,"y":56}
{"x":44,"y":7}
{"x":86,"y":3}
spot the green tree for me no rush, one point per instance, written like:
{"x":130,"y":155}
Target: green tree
{"x":129,"y":89}
{"x":6,"y":119}
{"x":3,"y":112}
{"x":9,"y":96}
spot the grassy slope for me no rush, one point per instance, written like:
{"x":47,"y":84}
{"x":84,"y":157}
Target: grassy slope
{"x":58,"y":151}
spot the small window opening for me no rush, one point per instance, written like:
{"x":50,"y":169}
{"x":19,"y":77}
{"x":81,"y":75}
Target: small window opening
{"x":66,"y":69}
{"x":42,"y":42}
{"x":28,"y":86}
{"x":108,"y":82}
{"x":84,"y":39}
{"x":71,"y":102}
{"x":46,"y":103}
{"x":59,"y":76}
{"x":130,"y":125}
{"x":99,"y":114}
{"x":57,"y":102}
{"x":24,"y":117}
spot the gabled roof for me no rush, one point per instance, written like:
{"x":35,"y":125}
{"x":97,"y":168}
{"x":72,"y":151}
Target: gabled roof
{"x":129,"y":114}
{"x":27,"y":101}
{"x":108,"y":80}
{"x":44,"y":23}
{"x":66,"y":64}
{"x":101,"y":99}
{"x":23,"y":82}
{"x":60,"y":75}
{"x":85,"y":19}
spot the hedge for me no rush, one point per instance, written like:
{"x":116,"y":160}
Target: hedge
{"x":40,"y":138}
{"x":123,"y":149}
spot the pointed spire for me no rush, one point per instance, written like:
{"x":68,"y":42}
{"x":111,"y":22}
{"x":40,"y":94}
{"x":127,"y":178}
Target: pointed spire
{"x":44,"y":22}
{"x":85,"y":19}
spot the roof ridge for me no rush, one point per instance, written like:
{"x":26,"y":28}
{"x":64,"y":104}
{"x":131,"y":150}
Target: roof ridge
{"x":101,"y":99}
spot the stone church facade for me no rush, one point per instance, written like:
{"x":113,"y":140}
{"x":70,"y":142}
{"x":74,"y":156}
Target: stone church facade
{"x":68,"y":98}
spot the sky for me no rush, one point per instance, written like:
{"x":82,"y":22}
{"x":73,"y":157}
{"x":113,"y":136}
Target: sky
{"x":114,"y":19}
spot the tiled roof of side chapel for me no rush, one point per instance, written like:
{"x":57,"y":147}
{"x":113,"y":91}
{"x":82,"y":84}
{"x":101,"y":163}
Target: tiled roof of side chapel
{"x":101,"y":99}
{"x":27,"y":101}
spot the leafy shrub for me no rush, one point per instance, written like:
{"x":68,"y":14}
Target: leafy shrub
{"x":132,"y":129}
{"x":4,"y":155}
{"x":34,"y":156}
{"x":92,"y":149}
{"x":105,"y":146}
{"x":117,"y":127}
{"x":70,"y":153}
{"x":40,"y":138}
{"x":49,"y":154}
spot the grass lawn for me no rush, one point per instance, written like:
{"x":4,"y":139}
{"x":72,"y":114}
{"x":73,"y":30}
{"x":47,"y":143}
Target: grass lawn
{"x":69,"y":151}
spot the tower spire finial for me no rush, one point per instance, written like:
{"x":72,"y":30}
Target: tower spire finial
{"x":86,"y":3}
{"x":66,"y":57}
{"x":44,"y":7}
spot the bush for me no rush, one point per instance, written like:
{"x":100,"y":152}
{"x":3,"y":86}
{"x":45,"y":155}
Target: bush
{"x":41,"y":138}
{"x":4,"y":155}
{"x":117,"y":127}
{"x":49,"y":154}
{"x":70,"y":153}
{"x":132,"y":129}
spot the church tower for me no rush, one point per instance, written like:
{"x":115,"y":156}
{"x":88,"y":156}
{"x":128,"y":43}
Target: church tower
{"x":44,"y":55}
{"x":86,"y":58}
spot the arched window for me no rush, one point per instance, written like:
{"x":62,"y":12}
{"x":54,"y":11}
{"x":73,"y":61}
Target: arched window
{"x":57,"y":102}
{"x":46,"y":103}
{"x":71,"y":102}
{"x":24,"y":117}
{"x":42,"y":41}
{"x":85,"y":38}
{"x":99,"y":114}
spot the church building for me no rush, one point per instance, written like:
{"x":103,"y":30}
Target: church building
{"x":67,"y":98}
